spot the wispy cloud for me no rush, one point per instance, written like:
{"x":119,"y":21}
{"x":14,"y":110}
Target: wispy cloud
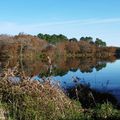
{"x":93,"y":27}
{"x":80,"y":22}
{"x":67,"y":22}
{"x":13,"y":28}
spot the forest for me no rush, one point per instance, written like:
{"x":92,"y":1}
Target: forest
{"x":53,"y":45}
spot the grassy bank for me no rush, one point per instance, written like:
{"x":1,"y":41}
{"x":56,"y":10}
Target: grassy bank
{"x":33,"y":100}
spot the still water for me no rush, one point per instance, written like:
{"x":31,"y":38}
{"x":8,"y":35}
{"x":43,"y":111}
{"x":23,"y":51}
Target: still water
{"x":100,"y":75}
{"x":105,"y":80}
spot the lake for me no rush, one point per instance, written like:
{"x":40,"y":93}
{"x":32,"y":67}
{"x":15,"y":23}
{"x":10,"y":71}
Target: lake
{"x":104,"y":80}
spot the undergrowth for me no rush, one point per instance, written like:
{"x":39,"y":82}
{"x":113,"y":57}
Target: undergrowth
{"x":28,"y":99}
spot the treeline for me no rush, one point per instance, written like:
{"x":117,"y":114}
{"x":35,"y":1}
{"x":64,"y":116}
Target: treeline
{"x":54,"y":46}
{"x":83,"y":47}
{"x":54,"y":39}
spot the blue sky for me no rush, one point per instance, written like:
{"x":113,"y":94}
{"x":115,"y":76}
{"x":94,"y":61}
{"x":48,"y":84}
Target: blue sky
{"x":73,"y":18}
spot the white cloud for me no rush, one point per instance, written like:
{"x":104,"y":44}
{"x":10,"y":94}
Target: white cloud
{"x":80,"y":22}
{"x":69,"y":22}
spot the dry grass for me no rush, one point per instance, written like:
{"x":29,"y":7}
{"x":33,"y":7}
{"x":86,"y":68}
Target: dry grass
{"x":2,"y":114}
{"x":31,"y":100}
{"x":28,"y":99}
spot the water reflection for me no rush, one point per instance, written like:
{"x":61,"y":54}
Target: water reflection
{"x":59,"y":66}
{"x":101,"y":75}
{"x":105,"y":81}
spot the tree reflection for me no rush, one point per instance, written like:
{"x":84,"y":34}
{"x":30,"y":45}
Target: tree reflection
{"x":100,"y":66}
{"x":59,"y":66}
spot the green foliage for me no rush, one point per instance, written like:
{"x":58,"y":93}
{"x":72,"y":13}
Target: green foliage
{"x":73,"y":40}
{"x":106,"y":111}
{"x":53,"y":38}
{"x":99,"y":42}
{"x":87,"y":39}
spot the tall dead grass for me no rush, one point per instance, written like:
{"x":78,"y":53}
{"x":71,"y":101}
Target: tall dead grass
{"x":28,"y":99}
